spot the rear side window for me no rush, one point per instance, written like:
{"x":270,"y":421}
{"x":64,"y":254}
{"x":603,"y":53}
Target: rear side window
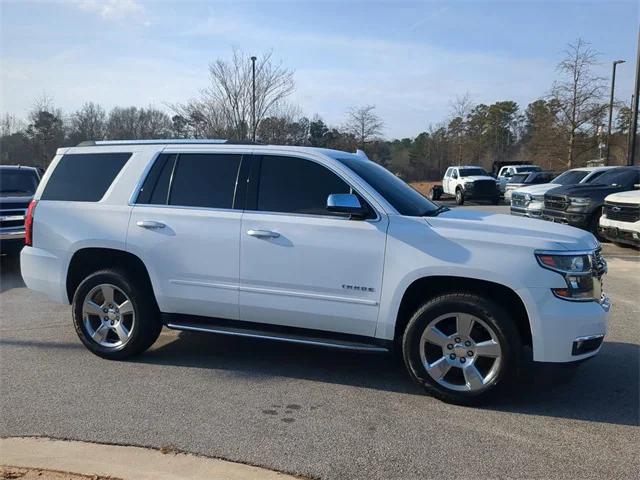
{"x":204,"y":180}
{"x":294,"y":185}
{"x":84,"y":177}
{"x":155,"y":189}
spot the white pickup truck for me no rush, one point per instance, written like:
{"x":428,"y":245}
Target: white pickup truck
{"x":311,"y":246}
{"x":469,"y":183}
{"x":508,"y":171}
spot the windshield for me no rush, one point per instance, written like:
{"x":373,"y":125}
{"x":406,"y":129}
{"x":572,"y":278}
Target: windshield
{"x":619,"y":176}
{"x":571,"y":177}
{"x":468,"y":172}
{"x":406,"y":200}
{"x":18,"y":182}
{"x":518,"y":178}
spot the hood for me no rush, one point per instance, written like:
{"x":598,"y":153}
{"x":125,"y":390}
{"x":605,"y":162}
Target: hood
{"x":539,"y":189}
{"x":586,"y":189}
{"x":632,"y":196}
{"x":477,"y":177}
{"x":508,"y":231}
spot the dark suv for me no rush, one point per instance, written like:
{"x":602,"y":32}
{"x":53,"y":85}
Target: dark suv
{"x":581,"y":205}
{"x":17,"y":186}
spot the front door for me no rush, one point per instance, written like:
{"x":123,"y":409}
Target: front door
{"x":301,"y":265}
{"x":185,"y":229}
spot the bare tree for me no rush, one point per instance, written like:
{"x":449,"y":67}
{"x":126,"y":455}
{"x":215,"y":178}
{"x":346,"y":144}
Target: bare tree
{"x":138,"y":123}
{"x":364,"y":124}
{"x":231,"y":89}
{"x":10,"y":124}
{"x":461,"y":107}
{"x":580,"y":94}
{"x":88,"y":123}
{"x":199,"y":118}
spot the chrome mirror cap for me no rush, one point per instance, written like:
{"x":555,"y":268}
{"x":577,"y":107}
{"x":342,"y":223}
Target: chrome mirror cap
{"x":346,"y":203}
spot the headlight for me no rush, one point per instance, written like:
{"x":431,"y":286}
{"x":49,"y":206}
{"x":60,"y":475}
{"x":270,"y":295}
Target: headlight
{"x":580,"y":271}
{"x":468,"y":184}
{"x":578,"y":203}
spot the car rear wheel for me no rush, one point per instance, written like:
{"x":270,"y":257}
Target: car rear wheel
{"x":114,"y":315}
{"x":462,"y":348}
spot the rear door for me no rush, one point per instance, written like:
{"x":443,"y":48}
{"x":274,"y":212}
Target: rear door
{"x":185,"y":228}
{"x":301,"y":265}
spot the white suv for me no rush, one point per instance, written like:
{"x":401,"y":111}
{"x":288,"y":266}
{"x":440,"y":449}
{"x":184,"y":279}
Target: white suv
{"x":306,"y":245}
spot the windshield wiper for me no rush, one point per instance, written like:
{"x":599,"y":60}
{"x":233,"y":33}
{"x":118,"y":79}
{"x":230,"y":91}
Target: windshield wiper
{"x":436,"y":212}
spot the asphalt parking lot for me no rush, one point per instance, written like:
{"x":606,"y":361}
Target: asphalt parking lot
{"x":321,"y":413}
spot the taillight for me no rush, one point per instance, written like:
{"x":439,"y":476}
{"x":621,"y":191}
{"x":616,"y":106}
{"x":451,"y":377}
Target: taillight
{"x":28,"y":224}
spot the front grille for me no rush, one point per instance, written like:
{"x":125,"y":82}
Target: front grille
{"x":556,"y":202}
{"x":484,"y":187}
{"x":12,"y":216}
{"x":622,"y":212}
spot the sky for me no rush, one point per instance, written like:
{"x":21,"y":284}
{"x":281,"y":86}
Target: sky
{"x":409,"y":59}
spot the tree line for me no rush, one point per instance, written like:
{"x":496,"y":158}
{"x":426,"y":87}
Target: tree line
{"x":559,"y":130}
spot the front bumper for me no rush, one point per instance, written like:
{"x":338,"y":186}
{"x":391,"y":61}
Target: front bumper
{"x":580,"y":220}
{"x":620,"y":232}
{"x":557,"y":325}
{"x":526,"y":212}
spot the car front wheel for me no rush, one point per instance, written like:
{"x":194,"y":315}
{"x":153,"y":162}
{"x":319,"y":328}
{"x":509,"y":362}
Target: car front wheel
{"x":461,"y":348}
{"x":459,"y":197}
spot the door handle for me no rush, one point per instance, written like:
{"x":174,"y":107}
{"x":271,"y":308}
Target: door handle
{"x":262,"y":233}
{"x":150,"y":224}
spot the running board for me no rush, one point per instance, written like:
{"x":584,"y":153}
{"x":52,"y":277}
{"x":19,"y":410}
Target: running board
{"x":277,"y":333}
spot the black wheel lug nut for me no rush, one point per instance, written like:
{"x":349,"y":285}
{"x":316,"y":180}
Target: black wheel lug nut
{"x":450,"y":347}
{"x":467,"y":343}
{"x":470,"y":353}
{"x":452,"y":356}
{"x":462,"y":359}
{"x":457,"y":339}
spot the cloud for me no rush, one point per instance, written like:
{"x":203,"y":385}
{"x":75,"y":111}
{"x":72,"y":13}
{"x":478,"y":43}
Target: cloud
{"x":114,"y":10}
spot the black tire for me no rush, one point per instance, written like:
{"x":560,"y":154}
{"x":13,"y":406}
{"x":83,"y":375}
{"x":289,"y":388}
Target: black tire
{"x":434,"y":194}
{"x":594,"y":222}
{"x":459,"y":197}
{"x":144,"y":330}
{"x":493,"y":316}
{"x":495,"y":201}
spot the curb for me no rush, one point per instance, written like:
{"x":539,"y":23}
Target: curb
{"x":123,"y":462}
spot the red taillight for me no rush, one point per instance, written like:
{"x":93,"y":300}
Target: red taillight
{"x":28,"y":224}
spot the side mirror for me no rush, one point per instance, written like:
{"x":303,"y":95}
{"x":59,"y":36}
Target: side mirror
{"x":346,"y":203}
{"x":636,"y":186}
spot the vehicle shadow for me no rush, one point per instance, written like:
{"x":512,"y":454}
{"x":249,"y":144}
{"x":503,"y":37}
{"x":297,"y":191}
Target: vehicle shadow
{"x":604,"y":389}
{"x":10,"y":272}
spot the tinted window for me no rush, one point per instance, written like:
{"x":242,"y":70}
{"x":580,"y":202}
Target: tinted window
{"x":155,"y":188}
{"x":294,"y":185}
{"x":401,"y":196}
{"x":619,"y":176}
{"x":518,"y":178}
{"x":528,"y":169}
{"x":204,"y":180}
{"x":17,"y":182}
{"x":467,"y":172}
{"x":571,"y":177}
{"x":84,"y":177}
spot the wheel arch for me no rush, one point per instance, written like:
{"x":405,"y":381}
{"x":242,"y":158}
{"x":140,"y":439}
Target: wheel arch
{"x":425,"y":288}
{"x":88,"y":260}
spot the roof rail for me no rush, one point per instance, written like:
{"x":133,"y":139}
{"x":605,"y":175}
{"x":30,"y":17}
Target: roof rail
{"x":163,"y":141}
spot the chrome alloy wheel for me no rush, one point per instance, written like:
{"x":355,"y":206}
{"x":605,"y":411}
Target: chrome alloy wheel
{"x":108,"y":316}
{"x":460,"y":352}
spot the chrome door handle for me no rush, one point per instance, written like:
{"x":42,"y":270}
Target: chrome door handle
{"x":262,"y":233}
{"x":150,"y":224}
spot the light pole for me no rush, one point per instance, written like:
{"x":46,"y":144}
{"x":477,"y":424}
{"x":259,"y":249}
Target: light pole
{"x":253,"y":99}
{"x":634,"y":110}
{"x":613,"y":86}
